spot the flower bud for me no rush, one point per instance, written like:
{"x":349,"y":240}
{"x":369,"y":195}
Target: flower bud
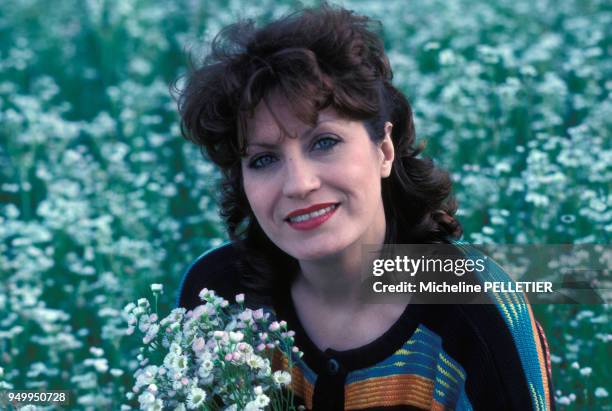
{"x":236,"y":336}
{"x":157,"y":288}
{"x":258,"y":314}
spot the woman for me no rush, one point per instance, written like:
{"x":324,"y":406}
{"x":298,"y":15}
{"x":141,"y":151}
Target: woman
{"x":317,"y":152}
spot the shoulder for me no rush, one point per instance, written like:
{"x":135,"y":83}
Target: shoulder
{"x":505,"y":335}
{"x":217,"y":270}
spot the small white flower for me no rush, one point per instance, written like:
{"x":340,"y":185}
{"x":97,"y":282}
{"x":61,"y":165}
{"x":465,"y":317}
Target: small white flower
{"x":218,"y":335}
{"x":169,"y":359}
{"x":240,"y":298}
{"x":101,"y":365}
{"x":246,"y":316}
{"x":275,"y":326}
{"x":146,"y":398}
{"x":236,"y":336}
{"x":244,"y":347}
{"x":196,"y":398}
{"x":128,"y":308}
{"x":586,"y":371}
{"x":255,"y":361}
{"x":601,"y":392}
{"x":206,"y":367}
{"x":563,"y":401}
{"x":204,"y":294}
{"x":175,"y":348}
{"x":281,"y":378}
{"x":144,"y":323}
{"x":575,"y":365}
{"x":151,"y":333}
{"x":157,"y":288}
{"x":146,"y":376}
{"x":252,"y":406}
{"x":262,"y":400}
{"x":180,"y":363}
{"x":198,"y":311}
{"x":115,"y":372}
{"x":98,"y":352}
{"x":198,"y":344}
{"x":143,"y":302}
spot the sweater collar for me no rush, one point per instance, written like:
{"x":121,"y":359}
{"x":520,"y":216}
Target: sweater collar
{"x":353,"y":359}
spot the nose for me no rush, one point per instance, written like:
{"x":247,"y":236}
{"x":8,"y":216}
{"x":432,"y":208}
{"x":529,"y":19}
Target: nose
{"x":300,"y":178}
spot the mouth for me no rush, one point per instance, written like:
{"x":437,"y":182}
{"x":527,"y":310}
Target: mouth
{"x":312,"y":217}
{"x":310,"y":212}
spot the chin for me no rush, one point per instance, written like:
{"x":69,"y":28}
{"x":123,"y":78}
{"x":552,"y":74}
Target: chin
{"x":315,"y":251}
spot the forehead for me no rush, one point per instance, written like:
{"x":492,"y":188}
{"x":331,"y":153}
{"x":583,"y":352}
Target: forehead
{"x":264,"y":125}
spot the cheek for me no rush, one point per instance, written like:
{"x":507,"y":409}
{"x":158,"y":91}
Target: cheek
{"x":363,"y":176}
{"x":258,"y":195}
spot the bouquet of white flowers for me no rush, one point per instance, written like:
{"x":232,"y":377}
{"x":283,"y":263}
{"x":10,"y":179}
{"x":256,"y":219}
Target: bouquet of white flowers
{"x":217,"y":356}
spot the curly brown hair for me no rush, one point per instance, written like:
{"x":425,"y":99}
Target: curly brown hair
{"x":316,"y":57}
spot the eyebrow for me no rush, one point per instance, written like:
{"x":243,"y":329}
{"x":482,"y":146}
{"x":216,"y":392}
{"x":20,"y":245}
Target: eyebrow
{"x":307,"y":132}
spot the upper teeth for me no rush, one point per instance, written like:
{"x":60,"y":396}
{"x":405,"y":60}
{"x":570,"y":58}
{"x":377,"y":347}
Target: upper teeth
{"x":314,"y":214}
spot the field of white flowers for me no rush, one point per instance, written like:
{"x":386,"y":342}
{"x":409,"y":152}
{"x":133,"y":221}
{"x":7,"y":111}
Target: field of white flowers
{"x":100,"y":196}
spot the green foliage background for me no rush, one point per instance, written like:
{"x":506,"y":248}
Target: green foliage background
{"x":100,"y":196}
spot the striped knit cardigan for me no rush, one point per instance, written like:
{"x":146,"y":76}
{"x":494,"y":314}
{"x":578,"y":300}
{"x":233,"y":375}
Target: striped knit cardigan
{"x":435,"y":357}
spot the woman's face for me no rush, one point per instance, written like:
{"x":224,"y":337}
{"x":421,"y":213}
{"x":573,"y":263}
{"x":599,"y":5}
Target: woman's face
{"x":316,"y":195}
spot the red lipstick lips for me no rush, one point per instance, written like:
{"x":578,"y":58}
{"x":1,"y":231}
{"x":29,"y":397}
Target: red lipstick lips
{"x":308,"y":210}
{"x":305,"y":222}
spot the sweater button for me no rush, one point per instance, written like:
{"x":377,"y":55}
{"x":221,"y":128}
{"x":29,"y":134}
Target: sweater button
{"x":332,"y":367}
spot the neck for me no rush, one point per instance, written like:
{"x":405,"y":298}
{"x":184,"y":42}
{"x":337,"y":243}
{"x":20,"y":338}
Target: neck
{"x":335,"y":281}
